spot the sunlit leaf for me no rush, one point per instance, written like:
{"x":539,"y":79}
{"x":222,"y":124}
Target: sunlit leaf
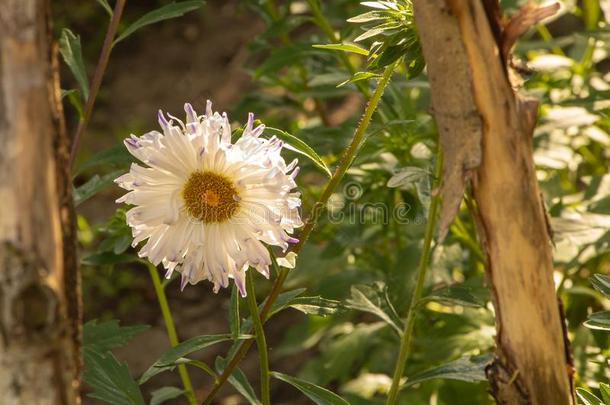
{"x":601,"y":283}
{"x":587,"y":398}
{"x":345,"y":48}
{"x":599,"y":320}
{"x":296,"y":145}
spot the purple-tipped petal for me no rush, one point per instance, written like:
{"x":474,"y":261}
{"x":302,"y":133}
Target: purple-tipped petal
{"x":184,"y":281}
{"x":191,"y":115}
{"x":250,"y":123}
{"x":162,"y":121}
{"x":258,"y":131}
{"x":239,"y":282}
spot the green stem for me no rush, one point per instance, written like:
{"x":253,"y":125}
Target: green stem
{"x":261,"y":342}
{"x":405,"y":340}
{"x":346,"y":161}
{"x":171,"y":330}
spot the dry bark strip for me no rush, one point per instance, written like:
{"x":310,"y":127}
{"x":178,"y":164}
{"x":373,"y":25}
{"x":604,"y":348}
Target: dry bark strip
{"x":39,"y":288}
{"x":462,"y":52}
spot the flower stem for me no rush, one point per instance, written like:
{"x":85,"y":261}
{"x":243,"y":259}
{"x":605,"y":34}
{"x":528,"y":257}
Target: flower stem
{"x":171,"y":330}
{"x":261,"y":342}
{"x":405,"y":340}
{"x":100,"y":69}
{"x":316,"y":211}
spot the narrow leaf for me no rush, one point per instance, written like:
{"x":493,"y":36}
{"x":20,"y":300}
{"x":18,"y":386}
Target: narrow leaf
{"x":94,"y":186}
{"x":319,"y":395}
{"x":358,"y":76}
{"x":104,"y":3}
{"x":468,"y":368}
{"x":298,"y":146}
{"x":169,"y":11}
{"x":167,"y":360}
{"x":165,"y":394}
{"x":458,"y":295}
{"x":234,"y":318}
{"x":599,"y":321}
{"x":315,"y":305}
{"x":587,"y":398}
{"x":407,"y":176}
{"x":70,"y":49}
{"x":116,"y":157}
{"x":601,"y":283}
{"x":239,"y":381}
{"x":345,"y":48}
{"x":374,"y":300}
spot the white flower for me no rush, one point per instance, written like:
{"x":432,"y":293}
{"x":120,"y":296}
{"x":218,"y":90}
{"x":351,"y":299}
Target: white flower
{"x":205,"y":205}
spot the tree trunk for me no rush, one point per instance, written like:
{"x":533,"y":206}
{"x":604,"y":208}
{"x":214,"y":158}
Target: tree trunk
{"x":470,"y":85}
{"x":39,"y":287}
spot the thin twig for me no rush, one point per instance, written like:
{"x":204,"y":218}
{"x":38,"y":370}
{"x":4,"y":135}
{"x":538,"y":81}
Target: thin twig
{"x":100,"y":69}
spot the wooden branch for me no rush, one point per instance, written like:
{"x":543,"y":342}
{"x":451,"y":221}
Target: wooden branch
{"x":39,"y":296}
{"x":532,"y":365}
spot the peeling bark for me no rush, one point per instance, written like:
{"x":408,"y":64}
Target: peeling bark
{"x":39,"y":291}
{"x":532,"y":365}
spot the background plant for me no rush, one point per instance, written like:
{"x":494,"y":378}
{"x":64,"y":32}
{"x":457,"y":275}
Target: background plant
{"x":355,"y":278}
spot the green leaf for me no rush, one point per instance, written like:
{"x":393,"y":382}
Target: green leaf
{"x":601,"y":283}
{"x":169,"y":11}
{"x":358,"y":76}
{"x":109,"y":335}
{"x":296,"y":145}
{"x":468,"y":368}
{"x":167,"y":360}
{"x":407,"y":176}
{"x":315,"y":305}
{"x":93,"y":186}
{"x":283,"y":300}
{"x":70,"y":49}
{"x":345,"y":48}
{"x":239,"y":381}
{"x":107,"y":258}
{"x":374,"y":300}
{"x":605,"y":390}
{"x":165,"y":394}
{"x":587,"y":398}
{"x":104,"y":3}
{"x":599,"y":321}
{"x":319,"y":395}
{"x":116,"y":157}
{"x":457,"y":295}
{"x":368,"y":16}
{"x":74,"y":99}
{"x":234,"y":318}
{"x":110,"y":379}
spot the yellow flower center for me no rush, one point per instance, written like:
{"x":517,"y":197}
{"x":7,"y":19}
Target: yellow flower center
{"x":210,"y":197}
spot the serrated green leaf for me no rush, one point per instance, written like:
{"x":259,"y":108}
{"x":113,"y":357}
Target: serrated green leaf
{"x":70,"y":49}
{"x":374,"y":300}
{"x":601,"y":283}
{"x":169,"y":11}
{"x":345,"y":48}
{"x":239,"y":381}
{"x":468,"y":368}
{"x":599,"y":321}
{"x":110,"y":379}
{"x":165,"y":394}
{"x":319,"y":395}
{"x":93,"y":186}
{"x":587,"y":398}
{"x":169,"y":358}
{"x":296,"y":145}
{"x":109,"y":335}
